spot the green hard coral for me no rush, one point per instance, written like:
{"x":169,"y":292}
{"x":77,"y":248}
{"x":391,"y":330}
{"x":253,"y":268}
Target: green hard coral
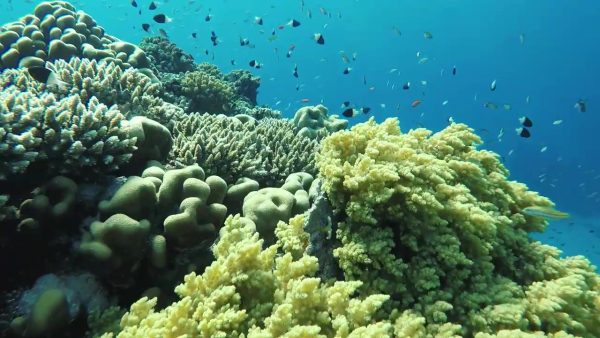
{"x":436,"y":224}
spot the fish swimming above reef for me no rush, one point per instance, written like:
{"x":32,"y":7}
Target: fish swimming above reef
{"x":318,"y":37}
{"x":581,"y":105}
{"x":46,"y":76}
{"x":545,"y":212}
{"x":161,"y":18}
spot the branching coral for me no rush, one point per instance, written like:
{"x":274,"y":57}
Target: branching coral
{"x":165,"y":56}
{"x":434,"y":222}
{"x":207,"y":92}
{"x":254,"y":292}
{"x":267,"y":150}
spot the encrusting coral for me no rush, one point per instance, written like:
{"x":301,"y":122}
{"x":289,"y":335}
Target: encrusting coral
{"x":434,"y":223}
{"x":56,"y":30}
{"x":266,"y":150}
{"x":254,"y":292}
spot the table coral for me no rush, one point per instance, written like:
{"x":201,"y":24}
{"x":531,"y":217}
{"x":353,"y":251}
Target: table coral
{"x":436,"y":224}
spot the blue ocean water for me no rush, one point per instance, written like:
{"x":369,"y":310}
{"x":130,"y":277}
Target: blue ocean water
{"x":544,"y":51}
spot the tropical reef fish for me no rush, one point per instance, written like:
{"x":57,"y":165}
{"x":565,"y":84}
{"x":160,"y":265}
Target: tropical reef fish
{"x":319,"y":38}
{"x":523,"y":132}
{"x":493,"y":85}
{"x":428,"y":35}
{"x":254,"y":64}
{"x":161,"y":18}
{"x":557,"y":122}
{"x":134,"y":4}
{"x":581,"y":105}
{"x":347,"y":70}
{"x":526,"y":121}
{"x":490,"y":105}
{"x":295,"y":72}
{"x":152,"y":6}
{"x":454,"y":70}
{"x":406,"y":86}
{"x":146,"y":27}
{"x":294,"y":23}
{"x":415,"y":103}
{"x":46,"y":76}
{"x":545,"y":212}
{"x":258,"y":20}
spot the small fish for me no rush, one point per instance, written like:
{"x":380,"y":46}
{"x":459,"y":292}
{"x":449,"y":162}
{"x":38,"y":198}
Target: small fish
{"x":244,"y":42}
{"x":427,"y":35}
{"x":415,"y":103}
{"x":527,"y":100}
{"x":207,"y":17}
{"x":305,"y":100}
{"x":164,"y":34}
{"x":345,"y":104}
{"x":295,"y":72}
{"x":134,"y":4}
{"x":293,"y":23}
{"x":393,"y":70}
{"x":507,"y":106}
{"x":543,"y":149}
{"x":454,"y":70}
{"x":382,"y":105}
{"x":254,"y":64}
{"x":365,"y":110}
{"x":545,"y":212}
{"x":581,"y":105}
{"x":406,"y":86}
{"x":258,"y":20}
{"x":152,"y":6}
{"x":347,"y":70}
{"x":146,"y":27}
{"x":523,"y":132}
{"x":522,"y":38}
{"x":349,"y":112}
{"x":161,"y":18}
{"x":232,"y":62}
{"x":490,"y":105}
{"x":46,"y":76}
{"x":445,"y":103}
{"x":423,"y":60}
{"x":493,"y":85}
{"x":364,"y":80}
{"x":557,"y":122}
{"x":319,"y":38}
{"x":372,"y":88}
{"x":525,"y":121}
{"x":194,"y":35}
{"x":423,"y":83}
{"x":214,"y":38}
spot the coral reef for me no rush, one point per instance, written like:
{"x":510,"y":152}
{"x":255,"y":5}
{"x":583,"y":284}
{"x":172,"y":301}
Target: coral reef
{"x":245,"y":84}
{"x":165,"y":56}
{"x":254,"y":292}
{"x":207,"y":92}
{"x":266,"y":151}
{"x":434,"y":223}
{"x":57,"y":31}
{"x":315,"y":122}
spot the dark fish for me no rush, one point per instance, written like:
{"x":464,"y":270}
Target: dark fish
{"x":295,"y":73}
{"x":140,"y":12}
{"x":134,"y":4}
{"x":347,"y":70}
{"x":152,"y":6}
{"x":345,"y":104}
{"x":294,"y":23}
{"x":365,"y":110}
{"x":206,"y":51}
{"x":258,"y":20}
{"x":244,"y":42}
{"x":163,"y":33}
{"x":406,"y":86}
{"x":214,"y":38}
{"x":252,"y":63}
{"x":232,"y":62}
{"x":454,"y":70}
{"x":46,"y":76}
{"x":207,"y":18}
{"x":161,"y":18}
{"x":581,"y":105}
{"x":525,"y":121}
{"x":319,"y":38}
{"x":146,"y":27}
{"x":194,"y":35}
{"x":364,"y":80}
{"x":523,"y":132}
{"x":348,"y":112}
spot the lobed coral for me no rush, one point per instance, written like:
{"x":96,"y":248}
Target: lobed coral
{"x":315,"y":122}
{"x":253,"y":292}
{"x":266,"y":151}
{"x":56,"y":30}
{"x":434,"y":223}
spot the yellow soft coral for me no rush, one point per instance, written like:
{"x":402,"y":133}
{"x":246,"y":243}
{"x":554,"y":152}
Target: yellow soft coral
{"x":435,"y":223}
{"x":251,"y":291}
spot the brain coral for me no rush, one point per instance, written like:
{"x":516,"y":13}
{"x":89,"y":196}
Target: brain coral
{"x":434,"y":223}
{"x":56,"y":30}
{"x":267,"y":150}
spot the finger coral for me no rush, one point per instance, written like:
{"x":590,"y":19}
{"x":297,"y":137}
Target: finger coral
{"x":434,"y":222}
